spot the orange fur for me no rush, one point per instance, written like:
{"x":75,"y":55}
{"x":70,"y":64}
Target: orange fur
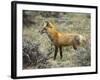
{"x":61,"y":39}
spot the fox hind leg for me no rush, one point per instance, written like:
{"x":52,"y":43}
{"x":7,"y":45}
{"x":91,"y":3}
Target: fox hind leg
{"x":60,"y":48}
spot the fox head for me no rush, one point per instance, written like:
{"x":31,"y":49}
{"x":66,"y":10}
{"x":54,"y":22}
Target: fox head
{"x":47,"y":25}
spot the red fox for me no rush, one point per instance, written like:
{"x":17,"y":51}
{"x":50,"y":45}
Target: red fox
{"x":60,"y":39}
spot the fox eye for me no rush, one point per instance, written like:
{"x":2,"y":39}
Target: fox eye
{"x":44,"y":29}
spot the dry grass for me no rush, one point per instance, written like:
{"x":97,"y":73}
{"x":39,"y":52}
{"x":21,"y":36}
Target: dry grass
{"x":75,"y":23}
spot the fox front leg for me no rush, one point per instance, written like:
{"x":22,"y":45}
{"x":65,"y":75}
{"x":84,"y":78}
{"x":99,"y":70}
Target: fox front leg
{"x":56,"y":50}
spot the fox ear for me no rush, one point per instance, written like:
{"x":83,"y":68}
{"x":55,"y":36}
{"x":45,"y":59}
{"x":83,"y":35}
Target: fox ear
{"x":49,"y":24}
{"x":46,"y":23}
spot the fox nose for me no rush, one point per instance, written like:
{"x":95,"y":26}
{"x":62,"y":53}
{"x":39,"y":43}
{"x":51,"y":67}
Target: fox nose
{"x":39,"y":31}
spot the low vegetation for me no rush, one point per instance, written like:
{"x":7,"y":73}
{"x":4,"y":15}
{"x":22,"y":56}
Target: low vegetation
{"x":38,"y":51}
